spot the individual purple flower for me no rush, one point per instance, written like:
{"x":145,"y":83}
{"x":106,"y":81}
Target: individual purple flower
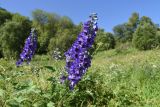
{"x":77,"y":57}
{"x":29,"y":48}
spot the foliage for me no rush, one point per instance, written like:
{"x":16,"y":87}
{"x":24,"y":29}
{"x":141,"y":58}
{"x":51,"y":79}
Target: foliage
{"x":124,"y":48}
{"x":66,"y":23}
{"x":134,"y":21}
{"x":124,"y":32}
{"x":145,"y":19}
{"x":158,"y":38}
{"x":123,"y":80}
{"x":46,"y":25}
{"x":49,"y":25}
{"x":13,"y":33}
{"x":63,"y":40}
{"x":4,"y":16}
{"x":107,"y":40}
{"x":145,"y":36}
{"x":121,"y":77}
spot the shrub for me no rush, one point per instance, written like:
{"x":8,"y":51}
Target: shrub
{"x":62,"y":40}
{"x":145,"y":37}
{"x":107,"y":40}
{"x":13,"y":33}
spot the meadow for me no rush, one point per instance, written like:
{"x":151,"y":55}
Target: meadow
{"x":116,"y":78}
{"x":125,"y":63}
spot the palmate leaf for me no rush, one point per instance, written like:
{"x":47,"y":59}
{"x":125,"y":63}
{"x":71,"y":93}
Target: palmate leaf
{"x":50,"y":68}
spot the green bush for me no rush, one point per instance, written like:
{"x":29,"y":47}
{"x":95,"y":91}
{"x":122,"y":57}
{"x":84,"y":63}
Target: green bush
{"x":106,"y":39}
{"x":124,"y":48}
{"x":62,"y":40}
{"x":48,"y":26}
{"x":13,"y":35}
{"x":145,"y":37}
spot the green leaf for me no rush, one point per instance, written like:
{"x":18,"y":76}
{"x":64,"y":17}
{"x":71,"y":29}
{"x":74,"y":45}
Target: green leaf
{"x":2,"y":93}
{"x":12,"y":103}
{"x":50,"y":104}
{"x":2,"y":77}
{"x":52,"y":79}
{"x":50,"y":68}
{"x":20,"y":99}
{"x":47,"y":95}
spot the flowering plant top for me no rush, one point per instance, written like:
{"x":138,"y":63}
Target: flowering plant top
{"x":77,"y":57}
{"x":29,"y":48}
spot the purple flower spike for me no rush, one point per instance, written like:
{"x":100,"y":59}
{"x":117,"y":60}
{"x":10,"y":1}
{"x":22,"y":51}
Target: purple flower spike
{"x":29,"y":48}
{"x":78,"y":59}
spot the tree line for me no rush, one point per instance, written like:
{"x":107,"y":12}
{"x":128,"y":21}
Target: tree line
{"x":55,"y":31}
{"x":141,"y":32}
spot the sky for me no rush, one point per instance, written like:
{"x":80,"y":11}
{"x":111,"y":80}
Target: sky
{"x":110,"y":12}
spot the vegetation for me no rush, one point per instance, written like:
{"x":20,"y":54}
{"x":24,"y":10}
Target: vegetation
{"x":13,"y":34}
{"x":54,"y":32}
{"x":123,"y":80}
{"x":124,"y":71}
{"x":107,"y":40}
{"x":145,"y":35}
{"x":124,"y":32}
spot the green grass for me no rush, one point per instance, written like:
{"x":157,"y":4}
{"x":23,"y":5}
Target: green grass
{"x":117,"y":78}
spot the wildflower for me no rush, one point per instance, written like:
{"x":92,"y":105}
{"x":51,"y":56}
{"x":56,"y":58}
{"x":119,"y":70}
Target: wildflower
{"x":57,"y":54}
{"x":77,"y":57}
{"x":29,"y":48}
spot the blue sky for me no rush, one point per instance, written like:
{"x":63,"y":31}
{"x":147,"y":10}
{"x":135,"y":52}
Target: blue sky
{"x":110,"y":12}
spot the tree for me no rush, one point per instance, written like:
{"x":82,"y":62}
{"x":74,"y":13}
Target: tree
{"x":66,"y":23}
{"x":124,"y":32}
{"x":158,"y":38}
{"x":13,"y":34}
{"x":133,"y":21}
{"x":121,"y":32}
{"x":4,"y":16}
{"x":145,"y":36}
{"x":63,"y":40}
{"x":39,"y":19}
{"x":145,"y":19}
{"x":106,"y":39}
{"x":47,"y":25}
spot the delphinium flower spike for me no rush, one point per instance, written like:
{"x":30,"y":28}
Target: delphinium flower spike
{"x":29,"y":48}
{"x":77,"y":57}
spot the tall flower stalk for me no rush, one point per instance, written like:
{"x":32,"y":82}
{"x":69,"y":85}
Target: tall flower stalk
{"x":78,"y":59}
{"x":29,"y":48}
